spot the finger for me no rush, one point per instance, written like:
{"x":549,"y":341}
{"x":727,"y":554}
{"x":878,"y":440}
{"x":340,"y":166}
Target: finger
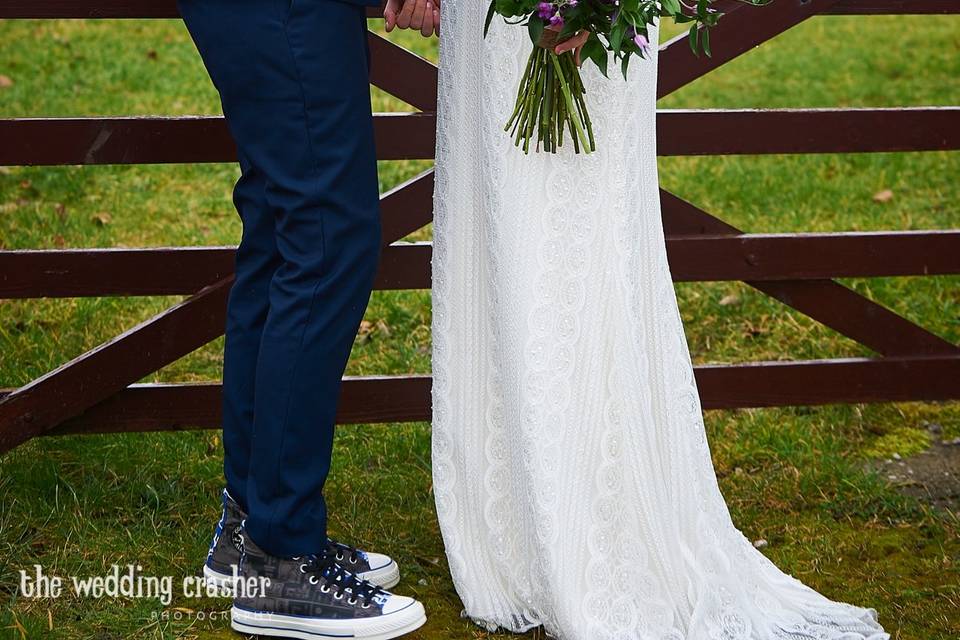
{"x":406,"y":12}
{"x":390,"y":14}
{"x":436,"y":19}
{"x":565,"y":46}
{"x":418,"y":12}
{"x":571,"y":44}
{"x":426,"y":29}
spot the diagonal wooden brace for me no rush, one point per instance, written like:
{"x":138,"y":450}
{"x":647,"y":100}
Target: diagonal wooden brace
{"x":826,"y":301}
{"x":403,"y":74}
{"x":739,"y":30}
{"x":96,"y":375}
{"x":109,"y":368}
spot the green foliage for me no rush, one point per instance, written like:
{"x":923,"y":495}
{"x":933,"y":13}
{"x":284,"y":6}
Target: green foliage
{"x":619,"y":27}
{"x":551,"y":97}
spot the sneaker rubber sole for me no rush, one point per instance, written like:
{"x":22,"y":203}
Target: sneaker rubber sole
{"x":385,"y":627}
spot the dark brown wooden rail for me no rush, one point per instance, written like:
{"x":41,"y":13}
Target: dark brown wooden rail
{"x":680,"y":132}
{"x":98,"y":392}
{"x":380,"y":399}
{"x":74,"y":273}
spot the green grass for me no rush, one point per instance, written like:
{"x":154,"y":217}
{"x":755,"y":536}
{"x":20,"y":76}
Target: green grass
{"x":791,"y":476}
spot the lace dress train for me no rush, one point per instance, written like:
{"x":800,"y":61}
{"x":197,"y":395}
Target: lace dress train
{"x":572,"y":474}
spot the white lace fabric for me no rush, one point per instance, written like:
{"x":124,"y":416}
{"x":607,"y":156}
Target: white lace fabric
{"x":572,"y":474}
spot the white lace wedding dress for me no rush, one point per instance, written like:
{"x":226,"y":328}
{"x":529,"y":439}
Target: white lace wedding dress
{"x":572,"y":474}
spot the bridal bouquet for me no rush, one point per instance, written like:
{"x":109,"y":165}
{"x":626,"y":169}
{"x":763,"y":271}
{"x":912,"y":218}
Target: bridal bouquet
{"x":551,"y":96}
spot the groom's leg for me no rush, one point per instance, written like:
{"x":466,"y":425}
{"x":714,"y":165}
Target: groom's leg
{"x":293,"y":82}
{"x":257,"y":259}
{"x":328,"y":232}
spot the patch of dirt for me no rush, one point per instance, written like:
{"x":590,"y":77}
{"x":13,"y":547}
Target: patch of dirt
{"x":932,"y":476}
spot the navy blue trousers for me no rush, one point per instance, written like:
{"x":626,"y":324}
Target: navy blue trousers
{"x":293,"y":82}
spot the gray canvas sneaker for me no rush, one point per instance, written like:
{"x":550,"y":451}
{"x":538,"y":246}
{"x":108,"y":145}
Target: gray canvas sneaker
{"x":315,"y":597}
{"x":223,"y":557}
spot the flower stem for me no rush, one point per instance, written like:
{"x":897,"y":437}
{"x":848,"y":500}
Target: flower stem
{"x":580,"y":95}
{"x":547,"y":125}
{"x":524,"y":85}
{"x":568,"y":98}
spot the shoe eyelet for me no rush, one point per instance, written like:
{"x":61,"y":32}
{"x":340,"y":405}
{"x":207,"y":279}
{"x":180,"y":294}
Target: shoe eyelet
{"x":351,"y":601}
{"x":365,"y":605}
{"x":353,"y":561}
{"x":313,"y":580}
{"x":303,"y":568}
{"x":338,"y":596}
{"x":339,"y":556}
{"x":325,"y":588}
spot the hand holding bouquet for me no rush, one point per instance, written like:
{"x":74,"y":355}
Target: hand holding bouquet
{"x":551,"y":97}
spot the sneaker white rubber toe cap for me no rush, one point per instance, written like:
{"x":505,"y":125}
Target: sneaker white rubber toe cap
{"x":384,"y":571}
{"x":399,"y":603}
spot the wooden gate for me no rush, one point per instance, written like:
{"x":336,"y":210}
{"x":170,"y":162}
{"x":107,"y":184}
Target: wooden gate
{"x":95,"y":392}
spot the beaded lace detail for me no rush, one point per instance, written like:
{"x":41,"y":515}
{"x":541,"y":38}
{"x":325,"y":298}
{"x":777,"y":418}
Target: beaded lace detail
{"x":572,"y":473}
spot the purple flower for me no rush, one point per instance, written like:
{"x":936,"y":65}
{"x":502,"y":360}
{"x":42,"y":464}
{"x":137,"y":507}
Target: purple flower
{"x":545,"y":10}
{"x":557,"y":21}
{"x":641,"y":41}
